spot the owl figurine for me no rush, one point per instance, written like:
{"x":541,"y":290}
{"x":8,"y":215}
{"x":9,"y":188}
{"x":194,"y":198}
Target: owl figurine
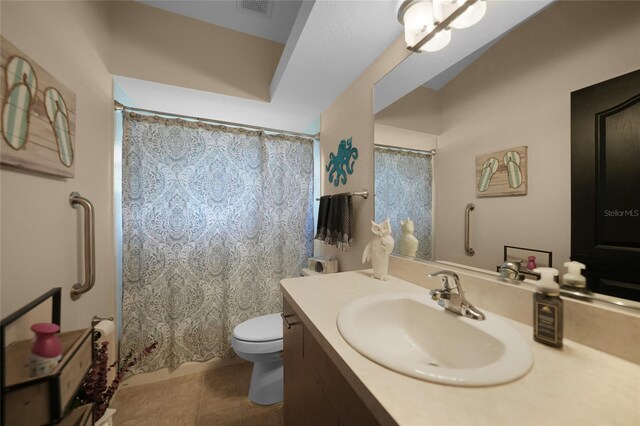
{"x":379,"y":249}
{"x":408,"y":241}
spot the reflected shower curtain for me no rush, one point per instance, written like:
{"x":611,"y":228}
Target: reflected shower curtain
{"x":213,"y":218}
{"x":403,"y":182}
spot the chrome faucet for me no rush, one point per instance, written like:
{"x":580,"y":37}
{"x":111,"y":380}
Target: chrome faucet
{"x":511,"y":271}
{"x":451,"y":297}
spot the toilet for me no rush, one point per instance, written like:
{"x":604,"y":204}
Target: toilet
{"x":259,"y":340}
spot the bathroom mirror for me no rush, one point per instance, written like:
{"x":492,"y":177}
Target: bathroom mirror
{"x":405,"y":146}
{"x":502,"y":86}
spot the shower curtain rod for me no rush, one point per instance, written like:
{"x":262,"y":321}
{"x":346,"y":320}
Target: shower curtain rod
{"x":431,"y":152}
{"x":120,"y":107}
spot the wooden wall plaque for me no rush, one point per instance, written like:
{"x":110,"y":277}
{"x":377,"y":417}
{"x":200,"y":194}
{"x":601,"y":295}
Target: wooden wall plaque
{"x":502,"y":173}
{"x":38,"y":118}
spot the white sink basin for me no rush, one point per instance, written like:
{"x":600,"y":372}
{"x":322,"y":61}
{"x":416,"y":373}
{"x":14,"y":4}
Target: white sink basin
{"x":411,"y":334}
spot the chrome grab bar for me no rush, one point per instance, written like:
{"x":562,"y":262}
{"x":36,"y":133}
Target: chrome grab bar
{"x":468,"y":250}
{"x":89,"y":246}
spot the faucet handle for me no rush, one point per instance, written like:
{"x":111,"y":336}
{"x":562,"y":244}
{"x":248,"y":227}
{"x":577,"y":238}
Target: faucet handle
{"x":435,"y":294}
{"x":440,"y":296}
{"x":452,"y":298}
{"x":447,"y":274}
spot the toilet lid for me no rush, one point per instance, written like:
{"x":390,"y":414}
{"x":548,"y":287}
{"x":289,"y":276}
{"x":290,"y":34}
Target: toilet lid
{"x":260,"y":329}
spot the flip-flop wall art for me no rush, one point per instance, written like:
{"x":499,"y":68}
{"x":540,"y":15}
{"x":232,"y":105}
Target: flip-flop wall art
{"x":489,"y":168}
{"x":502,"y":173}
{"x":21,"y":89}
{"x":514,"y":174}
{"x":38,"y":116}
{"x":58,"y":117}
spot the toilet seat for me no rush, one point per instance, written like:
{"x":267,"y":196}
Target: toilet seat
{"x":260,"y":335}
{"x":256,"y":347}
{"x":260,"y":329}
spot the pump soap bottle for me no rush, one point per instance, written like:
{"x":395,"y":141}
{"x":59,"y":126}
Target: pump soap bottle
{"x":547,"y":309}
{"x":574,"y":278}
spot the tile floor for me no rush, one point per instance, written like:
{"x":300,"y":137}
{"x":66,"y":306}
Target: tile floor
{"x":216,"y":397}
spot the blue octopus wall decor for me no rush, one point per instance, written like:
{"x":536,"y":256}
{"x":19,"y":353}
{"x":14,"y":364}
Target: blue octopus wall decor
{"x":342,"y":163}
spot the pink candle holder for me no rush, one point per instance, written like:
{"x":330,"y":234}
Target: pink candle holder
{"x":46,"y":351}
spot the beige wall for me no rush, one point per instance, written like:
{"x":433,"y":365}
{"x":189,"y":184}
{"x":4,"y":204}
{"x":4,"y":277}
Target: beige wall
{"x":156,"y":45}
{"x":518,"y":93}
{"x":412,"y":121}
{"x":351,"y":115}
{"x":41,"y":234}
{"x":418,"y":110}
{"x":403,"y":138}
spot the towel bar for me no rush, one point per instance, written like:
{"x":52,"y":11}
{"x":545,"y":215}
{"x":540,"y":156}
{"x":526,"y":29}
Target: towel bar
{"x":363,"y":194}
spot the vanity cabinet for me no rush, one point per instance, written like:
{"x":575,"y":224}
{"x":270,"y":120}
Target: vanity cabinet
{"x":316,"y":392}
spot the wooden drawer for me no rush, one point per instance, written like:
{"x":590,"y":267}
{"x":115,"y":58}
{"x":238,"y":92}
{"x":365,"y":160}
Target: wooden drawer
{"x":43,"y":400}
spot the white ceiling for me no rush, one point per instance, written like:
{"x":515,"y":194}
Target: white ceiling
{"x":226,"y":13}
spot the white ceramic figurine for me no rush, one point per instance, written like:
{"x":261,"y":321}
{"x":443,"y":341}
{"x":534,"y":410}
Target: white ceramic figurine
{"x":408,"y":241}
{"x":379,"y":249}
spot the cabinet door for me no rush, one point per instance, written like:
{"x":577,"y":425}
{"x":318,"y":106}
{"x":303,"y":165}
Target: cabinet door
{"x":350,"y":408}
{"x":304,"y":401}
{"x":293,"y":362}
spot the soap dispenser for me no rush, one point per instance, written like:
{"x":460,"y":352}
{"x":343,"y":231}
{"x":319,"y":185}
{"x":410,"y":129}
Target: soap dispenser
{"x":547,"y":309}
{"x":574,"y":278}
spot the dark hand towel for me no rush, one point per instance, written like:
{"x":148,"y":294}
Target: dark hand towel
{"x":323,"y":216}
{"x":340,"y":222}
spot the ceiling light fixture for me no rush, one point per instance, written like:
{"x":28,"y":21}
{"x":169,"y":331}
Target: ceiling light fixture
{"x":428,"y":23}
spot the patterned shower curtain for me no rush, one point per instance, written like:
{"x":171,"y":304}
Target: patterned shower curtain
{"x":403,"y":182}
{"x":213,"y":218}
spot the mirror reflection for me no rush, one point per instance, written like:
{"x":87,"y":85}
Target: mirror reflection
{"x":508,"y":96}
{"x":403,"y":178}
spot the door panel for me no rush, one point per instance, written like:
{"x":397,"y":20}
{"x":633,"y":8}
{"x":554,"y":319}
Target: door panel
{"x":605,"y":184}
{"x":619,"y":175}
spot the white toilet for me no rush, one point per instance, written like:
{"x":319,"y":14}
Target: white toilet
{"x":259,"y":340}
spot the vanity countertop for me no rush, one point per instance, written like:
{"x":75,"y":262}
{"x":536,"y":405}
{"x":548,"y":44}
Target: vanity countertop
{"x":575,"y":385}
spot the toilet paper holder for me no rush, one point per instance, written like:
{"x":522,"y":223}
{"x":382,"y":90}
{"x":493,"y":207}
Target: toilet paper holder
{"x":96,"y":319}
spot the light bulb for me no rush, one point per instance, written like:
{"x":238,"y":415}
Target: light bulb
{"x":418,"y":21}
{"x":444,"y":8}
{"x":437,"y":42}
{"x":471,"y":16}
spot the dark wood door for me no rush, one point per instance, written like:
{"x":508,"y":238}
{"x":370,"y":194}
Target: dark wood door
{"x":605,"y":184}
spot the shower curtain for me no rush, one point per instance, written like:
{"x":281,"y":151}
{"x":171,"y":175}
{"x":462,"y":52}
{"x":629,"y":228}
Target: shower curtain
{"x":213,"y":218}
{"x":403,"y":182}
